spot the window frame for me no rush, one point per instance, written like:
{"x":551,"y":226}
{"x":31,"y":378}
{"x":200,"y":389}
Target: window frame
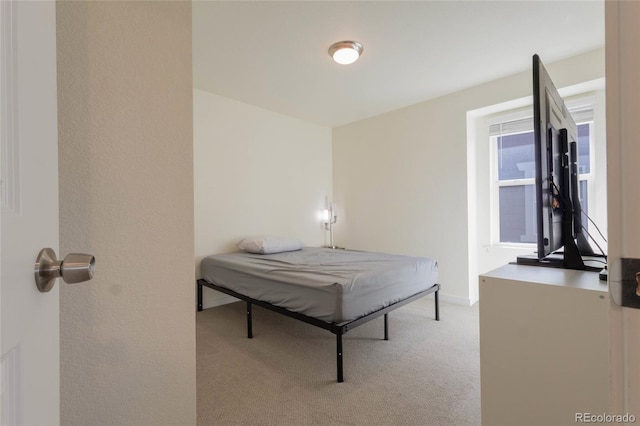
{"x":584,"y":103}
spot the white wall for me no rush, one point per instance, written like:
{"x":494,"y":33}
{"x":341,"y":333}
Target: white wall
{"x":402,"y":180}
{"x":127,"y":345}
{"x":256,"y":172}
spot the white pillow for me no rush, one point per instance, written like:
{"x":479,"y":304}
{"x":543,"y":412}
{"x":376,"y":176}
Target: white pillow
{"x":269,"y":245}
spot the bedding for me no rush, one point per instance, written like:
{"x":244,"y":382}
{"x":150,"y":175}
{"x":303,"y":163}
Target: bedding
{"x":334,"y":286}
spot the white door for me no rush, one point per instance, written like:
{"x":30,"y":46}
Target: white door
{"x":623,"y":154}
{"x":29,"y":216}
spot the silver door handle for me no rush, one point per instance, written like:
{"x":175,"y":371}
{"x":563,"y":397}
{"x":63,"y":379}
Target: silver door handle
{"x":75,"y":268}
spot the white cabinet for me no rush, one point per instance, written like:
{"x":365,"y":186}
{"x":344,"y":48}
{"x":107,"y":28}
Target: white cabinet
{"x":543,"y":346}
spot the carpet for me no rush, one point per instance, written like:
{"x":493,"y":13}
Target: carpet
{"x":428,"y":373}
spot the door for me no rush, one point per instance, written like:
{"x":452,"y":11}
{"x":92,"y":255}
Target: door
{"x":29,"y":215}
{"x":623,"y":153}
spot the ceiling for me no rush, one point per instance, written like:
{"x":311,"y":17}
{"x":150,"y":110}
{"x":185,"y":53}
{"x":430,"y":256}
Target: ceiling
{"x":274,"y":54}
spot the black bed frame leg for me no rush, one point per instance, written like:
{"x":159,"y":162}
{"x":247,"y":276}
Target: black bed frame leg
{"x":386,"y":326}
{"x":339,"y":355}
{"x":249,"y":322}
{"x":199,"y":297}
{"x":437,"y":305}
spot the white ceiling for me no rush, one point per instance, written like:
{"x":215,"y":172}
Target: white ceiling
{"x":274,"y":54}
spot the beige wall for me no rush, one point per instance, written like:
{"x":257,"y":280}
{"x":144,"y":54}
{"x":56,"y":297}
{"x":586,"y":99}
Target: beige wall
{"x":402,"y":178}
{"x":126,"y":196}
{"x":256,"y":172}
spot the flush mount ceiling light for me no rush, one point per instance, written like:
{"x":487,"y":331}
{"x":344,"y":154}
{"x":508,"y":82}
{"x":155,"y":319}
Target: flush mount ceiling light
{"x":345,"y":52}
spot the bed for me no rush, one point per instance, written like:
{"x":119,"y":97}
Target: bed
{"x":333,"y":289}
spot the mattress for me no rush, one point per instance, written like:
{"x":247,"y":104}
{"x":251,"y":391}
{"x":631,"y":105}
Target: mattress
{"x":331,"y":285}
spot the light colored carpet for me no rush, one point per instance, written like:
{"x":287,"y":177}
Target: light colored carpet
{"x":428,"y":373}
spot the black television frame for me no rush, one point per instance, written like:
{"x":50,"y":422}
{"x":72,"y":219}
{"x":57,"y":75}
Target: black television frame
{"x":561,"y":240}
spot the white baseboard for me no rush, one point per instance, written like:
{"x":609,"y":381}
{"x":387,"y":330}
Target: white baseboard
{"x":219,"y":301}
{"x":465,"y":301}
{"x":212,"y":298}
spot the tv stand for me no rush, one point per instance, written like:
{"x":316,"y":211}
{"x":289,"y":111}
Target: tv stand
{"x":593,"y":263}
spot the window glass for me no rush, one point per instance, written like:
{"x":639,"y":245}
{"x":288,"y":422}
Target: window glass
{"x":584,"y":203}
{"x":516,"y":156}
{"x":517,"y":214}
{"x":584,"y":159}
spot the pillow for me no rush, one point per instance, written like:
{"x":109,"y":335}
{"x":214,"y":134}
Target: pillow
{"x":269,"y":245}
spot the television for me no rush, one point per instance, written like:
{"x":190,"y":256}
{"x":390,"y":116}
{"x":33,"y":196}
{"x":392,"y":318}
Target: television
{"x":561,"y":239}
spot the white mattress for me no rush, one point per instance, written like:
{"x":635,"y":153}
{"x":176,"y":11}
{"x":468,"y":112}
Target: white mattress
{"x":331,"y":285}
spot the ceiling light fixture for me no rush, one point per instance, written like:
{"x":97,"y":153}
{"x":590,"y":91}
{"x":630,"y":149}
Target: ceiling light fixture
{"x":345,"y":52}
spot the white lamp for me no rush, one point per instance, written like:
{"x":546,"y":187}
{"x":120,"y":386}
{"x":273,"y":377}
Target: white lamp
{"x":345,"y":52}
{"x":329,"y":218}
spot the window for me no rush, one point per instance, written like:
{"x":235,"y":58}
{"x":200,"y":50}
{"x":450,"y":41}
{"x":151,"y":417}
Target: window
{"x":513,"y":173}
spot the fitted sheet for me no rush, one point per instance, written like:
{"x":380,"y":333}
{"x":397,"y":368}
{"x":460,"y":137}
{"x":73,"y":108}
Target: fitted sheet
{"x":332,"y":285}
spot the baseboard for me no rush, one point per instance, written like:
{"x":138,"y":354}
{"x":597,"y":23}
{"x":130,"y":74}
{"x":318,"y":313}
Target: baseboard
{"x":212,"y":298}
{"x":219,"y":301}
{"x":456,"y":300}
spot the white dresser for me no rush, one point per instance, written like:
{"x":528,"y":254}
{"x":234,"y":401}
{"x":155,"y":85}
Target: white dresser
{"x":543,"y":345}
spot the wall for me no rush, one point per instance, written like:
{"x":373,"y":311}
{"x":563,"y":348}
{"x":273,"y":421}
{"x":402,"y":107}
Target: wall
{"x":402,"y":180}
{"x":126,"y":196}
{"x":256,"y":172}
{"x":400,"y":185}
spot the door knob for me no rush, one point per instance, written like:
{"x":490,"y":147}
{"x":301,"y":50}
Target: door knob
{"x":75,"y":268}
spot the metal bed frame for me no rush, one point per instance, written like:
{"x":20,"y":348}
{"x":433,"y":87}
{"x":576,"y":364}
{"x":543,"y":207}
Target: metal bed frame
{"x":337,"y":329}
